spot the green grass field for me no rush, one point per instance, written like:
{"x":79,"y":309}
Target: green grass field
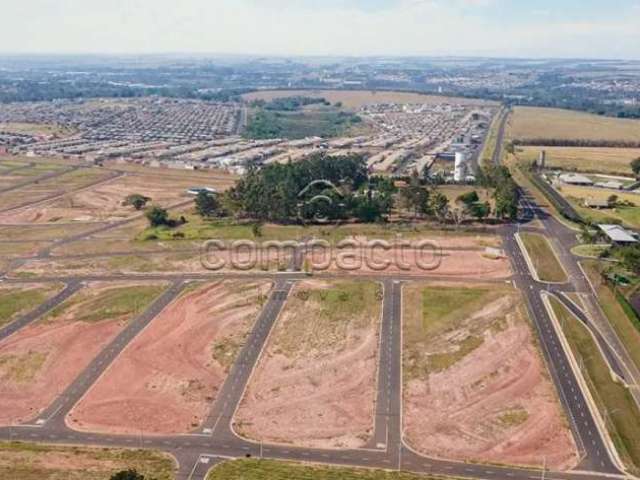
{"x":543,"y":258}
{"x":16,"y":301}
{"x":26,"y":461}
{"x":107,"y":305}
{"x":274,"y":470}
{"x":528,"y":123}
{"x":614,"y":400}
{"x":613,"y":161}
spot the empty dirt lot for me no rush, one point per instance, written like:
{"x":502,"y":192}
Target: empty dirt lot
{"x":103,"y":202}
{"x":167,"y":378}
{"x":315,"y":382}
{"x":476,"y":388}
{"x":39,"y":361}
{"x":460,"y":257}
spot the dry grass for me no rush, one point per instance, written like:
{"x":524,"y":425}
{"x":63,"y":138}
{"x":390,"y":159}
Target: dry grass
{"x":543,"y":257}
{"x":603,"y":160}
{"x":356,"y":99}
{"x":529,"y":123}
{"x":27,"y":461}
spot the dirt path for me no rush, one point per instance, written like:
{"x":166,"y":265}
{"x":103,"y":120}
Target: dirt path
{"x":167,"y":378}
{"x":496,"y":404}
{"x":315,"y":384}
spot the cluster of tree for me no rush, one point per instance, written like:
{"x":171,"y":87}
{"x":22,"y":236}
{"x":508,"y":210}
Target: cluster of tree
{"x":473,"y":206}
{"x":136,"y":201}
{"x":506,"y":193}
{"x":629,"y":256}
{"x":318,"y":187}
{"x":291,"y":104}
{"x":131,"y":474}
{"x":561,"y":142}
{"x":635,"y":166}
{"x":159,"y":217}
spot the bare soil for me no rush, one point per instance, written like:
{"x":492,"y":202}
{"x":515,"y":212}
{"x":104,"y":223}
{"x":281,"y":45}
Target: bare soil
{"x":168,"y":377}
{"x":315,"y":383}
{"x":39,"y":361}
{"x":496,"y":404}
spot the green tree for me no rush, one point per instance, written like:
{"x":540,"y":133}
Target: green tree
{"x":157,"y":216}
{"x":130,"y":474}
{"x":612,"y":200}
{"x":207,"y":204}
{"x":440,"y":206}
{"x":415,"y":197}
{"x":480,"y":210}
{"x":136,"y":200}
{"x":635,"y":166}
{"x":469,"y":198}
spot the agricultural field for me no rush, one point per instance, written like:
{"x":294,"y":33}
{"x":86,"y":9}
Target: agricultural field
{"x":43,"y":358}
{"x":27,"y":461}
{"x":356,"y":99}
{"x":612,"y":161}
{"x":167,"y":379}
{"x":475,"y":386}
{"x":611,"y":397}
{"x":315,"y":382}
{"x":532,"y":123}
{"x":543,"y":258}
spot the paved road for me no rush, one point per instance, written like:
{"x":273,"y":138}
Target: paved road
{"x":388,"y":428}
{"x":586,"y":433}
{"x":71,"y":287}
{"x":218,"y":422}
{"x":55,"y":414}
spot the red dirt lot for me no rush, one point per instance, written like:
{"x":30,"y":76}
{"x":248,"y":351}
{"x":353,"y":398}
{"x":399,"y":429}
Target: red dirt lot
{"x":168,"y":377}
{"x":315,"y":383}
{"x":41,"y":360}
{"x":496,"y":404}
{"x":463,"y":263}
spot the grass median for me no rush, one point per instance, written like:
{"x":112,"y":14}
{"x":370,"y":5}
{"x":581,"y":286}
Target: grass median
{"x":543,"y":257}
{"x":614,"y":400}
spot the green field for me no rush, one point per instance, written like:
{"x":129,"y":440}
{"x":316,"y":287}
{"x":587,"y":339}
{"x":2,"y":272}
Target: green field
{"x":614,"y":400}
{"x":274,"y":470}
{"x":612,"y":161}
{"x":543,"y":258}
{"x":26,"y":461}
{"x":532,"y":123}
{"x":311,"y":121}
{"x":109,"y":304}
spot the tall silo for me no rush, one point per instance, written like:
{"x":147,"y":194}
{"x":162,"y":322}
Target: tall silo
{"x":460,"y":167}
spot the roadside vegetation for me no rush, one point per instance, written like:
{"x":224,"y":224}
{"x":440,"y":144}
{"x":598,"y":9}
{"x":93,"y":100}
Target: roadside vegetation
{"x":543,"y":257}
{"x":614,"y":401}
{"x":27,"y":461}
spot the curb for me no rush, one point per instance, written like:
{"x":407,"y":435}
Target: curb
{"x":595,"y":412}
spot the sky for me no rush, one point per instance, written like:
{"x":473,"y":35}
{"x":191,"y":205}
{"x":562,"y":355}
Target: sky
{"x":501,"y":28}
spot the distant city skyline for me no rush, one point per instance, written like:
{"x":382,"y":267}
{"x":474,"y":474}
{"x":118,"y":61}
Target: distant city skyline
{"x":497,"y":28}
